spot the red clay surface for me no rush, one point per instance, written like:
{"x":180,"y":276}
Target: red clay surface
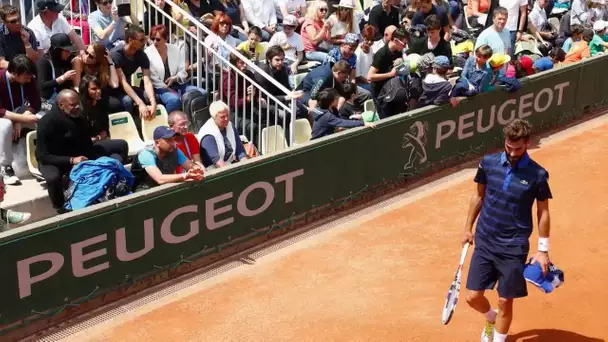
{"x":385,"y":279}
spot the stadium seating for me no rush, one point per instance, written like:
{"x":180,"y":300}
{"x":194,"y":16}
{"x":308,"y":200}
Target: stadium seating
{"x":160,"y":119}
{"x":123,"y":127}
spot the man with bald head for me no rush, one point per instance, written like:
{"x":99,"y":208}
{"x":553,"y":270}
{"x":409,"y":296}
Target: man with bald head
{"x":388,"y":34}
{"x":63,"y":141}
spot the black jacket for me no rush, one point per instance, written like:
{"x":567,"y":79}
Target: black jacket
{"x":60,"y":137}
{"x":281,"y":76}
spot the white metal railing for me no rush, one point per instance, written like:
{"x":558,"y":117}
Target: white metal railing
{"x":208,"y":68}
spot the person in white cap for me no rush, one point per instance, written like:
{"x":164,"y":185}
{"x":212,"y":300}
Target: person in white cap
{"x":342,"y":22}
{"x":598,"y":44}
{"x":290,"y":42}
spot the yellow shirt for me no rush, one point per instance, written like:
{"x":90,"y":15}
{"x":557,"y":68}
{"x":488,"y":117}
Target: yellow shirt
{"x":259,"y":49}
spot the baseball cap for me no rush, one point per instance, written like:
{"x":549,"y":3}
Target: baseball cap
{"x":534,"y":275}
{"x":62,"y":41}
{"x":163,"y":132}
{"x":498,"y":60}
{"x":600,"y":25}
{"x":351,"y":38}
{"x":441,"y":62}
{"x":50,"y":5}
{"x":526,"y":63}
{"x":290,"y":20}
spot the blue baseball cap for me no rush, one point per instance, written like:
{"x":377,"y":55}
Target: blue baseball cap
{"x":441,"y":62}
{"x":534,"y":274}
{"x":163,"y":132}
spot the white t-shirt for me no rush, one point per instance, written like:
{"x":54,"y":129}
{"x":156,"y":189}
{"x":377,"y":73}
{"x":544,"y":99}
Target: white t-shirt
{"x":43,"y":34}
{"x":213,"y":41}
{"x":364,"y":61}
{"x":339,"y":28}
{"x":295,"y":42}
{"x":291,"y":5}
{"x":512,"y":7}
{"x":538,"y":16}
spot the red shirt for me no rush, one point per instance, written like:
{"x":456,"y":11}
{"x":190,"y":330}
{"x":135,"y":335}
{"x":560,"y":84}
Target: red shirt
{"x":189,"y":151}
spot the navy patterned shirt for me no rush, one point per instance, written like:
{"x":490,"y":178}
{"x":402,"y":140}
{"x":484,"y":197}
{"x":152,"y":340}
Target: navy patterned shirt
{"x":505,"y":222}
{"x":11,"y":44}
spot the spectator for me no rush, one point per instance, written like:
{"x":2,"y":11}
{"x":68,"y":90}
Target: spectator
{"x":54,"y":69}
{"x":383,"y":16}
{"x":556,"y":55}
{"x":326,"y":122}
{"x":128,"y":59}
{"x":168,"y":70}
{"x":296,"y":8}
{"x":597,"y":43}
{"x":580,"y":49}
{"x":76,"y":12}
{"x":314,"y":32}
{"x":539,"y":26}
{"x":323,"y":77}
{"x":517,"y":13}
{"x":435,"y":87}
{"x":275,"y":68}
{"x":108,"y":28}
{"x":48,"y":22}
{"x":8,"y":216}
{"x":424,"y":8}
{"x":15,"y":39}
{"x":346,"y":52}
{"x":477,"y":11}
{"x":291,"y":43}
{"x":383,"y":66}
{"x":496,"y":36}
{"x":157,"y":166}
{"x":220,"y":142}
{"x":497,"y":62}
{"x":205,"y":10}
{"x":579,"y":13}
{"x":184,"y":140}
{"x":97,"y":62}
{"x":577,"y":35}
{"x":19,"y":101}
{"x":252,"y":45}
{"x":365,"y":57}
{"x":261,"y":13}
{"x":234,"y":9}
{"x":348,"y":109}
{"x":243,"y":98}
{"x":476,"y":69}
{"x":222,"y":26}
{"x":432,"y":42}
{"x":94,"y":109}
{"x":388,"y":34}
{"x":342,"y":22}
{"x":520,"y":67}
{"x":64,"y":141}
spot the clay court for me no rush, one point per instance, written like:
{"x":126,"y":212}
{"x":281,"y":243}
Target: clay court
{"x":383,"y":275}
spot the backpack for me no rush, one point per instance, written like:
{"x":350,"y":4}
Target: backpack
{"x":395,"y":96}
{"x":194,"y":104}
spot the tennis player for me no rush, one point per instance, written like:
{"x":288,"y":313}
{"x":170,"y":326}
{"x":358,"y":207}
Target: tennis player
{"x":507,"y":185}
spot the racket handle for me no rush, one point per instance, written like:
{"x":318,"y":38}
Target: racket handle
{"x":463,"y":255}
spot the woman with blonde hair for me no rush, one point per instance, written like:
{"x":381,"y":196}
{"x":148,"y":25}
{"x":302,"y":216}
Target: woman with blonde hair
{"x":342,"y":22}
{"x":314,"y":32}
{"x":96,"y":62}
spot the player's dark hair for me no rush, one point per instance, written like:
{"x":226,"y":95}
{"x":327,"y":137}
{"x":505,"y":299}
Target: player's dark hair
{"x":326,"y":97}
{"x":517,"y":130}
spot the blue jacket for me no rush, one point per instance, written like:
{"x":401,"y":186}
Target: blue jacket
{"x":326,"y":122}
{"x":91,"y":178}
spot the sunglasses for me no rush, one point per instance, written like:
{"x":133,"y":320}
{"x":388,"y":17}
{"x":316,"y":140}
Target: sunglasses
{"x":14,"y":21}
{"x":223,"y":23}
{"x":106,"y":3}
{"x":90,"y":55}
{"x":156,"y":39}
{"x":323,"y":9}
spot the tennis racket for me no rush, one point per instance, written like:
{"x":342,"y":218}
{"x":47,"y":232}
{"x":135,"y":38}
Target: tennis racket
{"x":452,"y":298}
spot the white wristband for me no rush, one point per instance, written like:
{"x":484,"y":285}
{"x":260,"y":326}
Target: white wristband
{"x":543,"y":244}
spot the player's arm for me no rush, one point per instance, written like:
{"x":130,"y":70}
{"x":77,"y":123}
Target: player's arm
{"x":544,"y":230}
{"x":481,"y":179}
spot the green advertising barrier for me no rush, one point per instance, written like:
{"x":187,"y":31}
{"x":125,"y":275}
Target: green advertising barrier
{"x":74,"y":260}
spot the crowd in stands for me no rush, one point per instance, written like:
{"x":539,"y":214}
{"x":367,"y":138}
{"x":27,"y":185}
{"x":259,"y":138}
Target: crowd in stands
{"x":336,"y":56}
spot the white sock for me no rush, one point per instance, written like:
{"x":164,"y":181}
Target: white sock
{"x":490,"y":316}
{"x":498,"y":337}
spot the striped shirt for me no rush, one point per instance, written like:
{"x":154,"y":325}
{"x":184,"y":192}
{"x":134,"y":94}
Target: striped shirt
{"x":505,"y":221}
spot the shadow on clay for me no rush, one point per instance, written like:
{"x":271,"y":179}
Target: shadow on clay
{"x":540,"y":335}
